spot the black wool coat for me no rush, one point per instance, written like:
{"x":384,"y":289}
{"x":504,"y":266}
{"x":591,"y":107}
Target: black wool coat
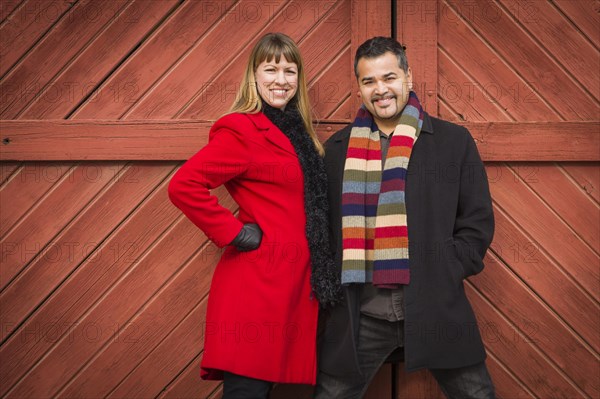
{"x":450,"y":226}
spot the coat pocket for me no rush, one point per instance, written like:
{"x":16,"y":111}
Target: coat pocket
{"x":452,"y":261}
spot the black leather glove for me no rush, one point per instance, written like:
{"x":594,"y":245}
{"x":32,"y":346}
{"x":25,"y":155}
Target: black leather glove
{"x":248,"y":238}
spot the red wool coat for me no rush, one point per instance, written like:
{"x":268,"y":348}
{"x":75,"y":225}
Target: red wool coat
{"x":261,"y":320}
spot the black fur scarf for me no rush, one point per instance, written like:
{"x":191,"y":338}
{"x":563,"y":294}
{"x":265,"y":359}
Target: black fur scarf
{"x":325,"y":279}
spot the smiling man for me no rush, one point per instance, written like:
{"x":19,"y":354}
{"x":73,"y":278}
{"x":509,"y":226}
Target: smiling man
{"x":411,"y":218}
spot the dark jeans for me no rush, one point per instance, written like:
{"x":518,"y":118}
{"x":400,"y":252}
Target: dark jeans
{"x":377,"y":340}
{"x":240,"y":387}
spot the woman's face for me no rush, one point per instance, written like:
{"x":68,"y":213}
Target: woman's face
{"x":277,"y":82}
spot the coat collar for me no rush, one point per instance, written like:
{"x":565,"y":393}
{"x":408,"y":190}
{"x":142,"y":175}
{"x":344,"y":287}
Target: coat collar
{"x":271,"y":132}
{"x":426,"y":128}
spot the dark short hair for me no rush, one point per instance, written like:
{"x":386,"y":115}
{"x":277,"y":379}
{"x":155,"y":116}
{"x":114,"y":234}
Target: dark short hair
{"x":378,"y":46}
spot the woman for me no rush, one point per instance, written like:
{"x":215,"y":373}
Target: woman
{"x":261,"y":321}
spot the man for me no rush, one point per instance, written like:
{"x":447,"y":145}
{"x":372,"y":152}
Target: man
{"x":399,"y":180}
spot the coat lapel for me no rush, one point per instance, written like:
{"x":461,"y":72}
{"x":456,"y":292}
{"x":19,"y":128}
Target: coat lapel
{"x":272,"y":132}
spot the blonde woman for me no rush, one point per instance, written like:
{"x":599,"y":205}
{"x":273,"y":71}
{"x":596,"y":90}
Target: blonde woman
{"x":261,"y":322}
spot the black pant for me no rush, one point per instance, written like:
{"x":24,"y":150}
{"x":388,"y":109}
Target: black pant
{"x":240,"y":387}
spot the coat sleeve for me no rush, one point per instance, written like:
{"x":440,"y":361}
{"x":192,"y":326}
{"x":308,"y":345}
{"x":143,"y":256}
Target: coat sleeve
{"x":474,"y":225}
{"x":225,"y":157}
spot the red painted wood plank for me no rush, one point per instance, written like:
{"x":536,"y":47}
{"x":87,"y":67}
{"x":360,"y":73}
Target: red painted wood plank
{"x":214,"y":50}
{"x":584,"y":15}
{"x":552,"y":234}
{"x":7,"y":7}
{"x":542,"y":328}
{"x":333,"y":86}
{"x":107,"y":316}
{"x":368,"y":19}
{"x":71,"y":35}
{"x":505,"y":382}
{"x":319,"y":33}
{"x":193,"y":135}
{"x":587,"y":174}
{"x":551,"y":30}
{"x":467,"y":99}
{"x":7,"y":169}
{"x":446,"y":111}
{"x":66,"y":90}
{"x":141,"y":70}
{"x":380,"y":386}
{"x":151,"y":376}
{"x":343,"y":111}
{"x":118,"y":305}
{"x":74,"y":244}
{"x":189,"y":385}
{"x":179,"y":139}
{"x":419,"y":384}
{"x":147,"y":329}
{"x":487,"y":80}
{"x":515,"y":349}
{"x":573,"y":205}
{"x":28,"y":24}
{"x":25,"y":189}
{"x":528,"y":260}
{"x":500,"y":32}
{"x":61,"y":312}
{"x":537,"y":141}
{"x":417,"y":24}
{"x":327,"y":39}
{"x":32,"y":236}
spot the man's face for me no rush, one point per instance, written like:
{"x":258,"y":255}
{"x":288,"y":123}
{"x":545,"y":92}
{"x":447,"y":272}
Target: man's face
{"x":384,"y":87}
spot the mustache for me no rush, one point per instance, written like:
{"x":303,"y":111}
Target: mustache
{"x":377,"y":97}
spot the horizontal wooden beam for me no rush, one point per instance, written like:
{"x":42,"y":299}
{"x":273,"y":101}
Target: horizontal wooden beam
{"x":45,"y":140}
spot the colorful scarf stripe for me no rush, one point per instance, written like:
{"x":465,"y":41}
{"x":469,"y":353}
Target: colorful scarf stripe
{"x":374,"y":228}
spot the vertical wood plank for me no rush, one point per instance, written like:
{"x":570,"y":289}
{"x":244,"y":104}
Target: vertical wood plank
{"x":417,"y":30}
{"x":368,"y":19}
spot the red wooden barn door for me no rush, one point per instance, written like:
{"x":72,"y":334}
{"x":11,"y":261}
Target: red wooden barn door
{"x":523,"y":76}
{"x":103,"y":283}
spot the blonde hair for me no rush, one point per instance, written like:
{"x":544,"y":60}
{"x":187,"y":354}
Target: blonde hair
{"x":274,"y":45}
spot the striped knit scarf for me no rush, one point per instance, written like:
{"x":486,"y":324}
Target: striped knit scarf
{"x":374,"y":228}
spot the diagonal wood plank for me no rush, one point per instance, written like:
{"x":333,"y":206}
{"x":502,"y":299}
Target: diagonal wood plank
{"x":56,"y":50}
{"x":529,"y":261}
{"x":31,"y":238}
{"x":8,"y":7}
{"x":29,"y":185}
{"x":216,"y":48}
{"x":61,"y":312}
{"x":25,"y":27}
{"x":548,"y":28}
{"x":508,"y":343}
{"x":76,"y":242}
{"x":540,"y":326}
{"x":80,"y":78}
{"x":569,"y":202}
{"x":174,"y":38}
{"x":188,"y":385}
{"x":559,"y":242}
{"x":322,"y":19}
{"x":584,"y":15}
{"x":587,"y":175}
{"x":167,"y":308}
{"x":107,"y":316}
{"x":168,"y":359}
{"x":532,"y":64}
